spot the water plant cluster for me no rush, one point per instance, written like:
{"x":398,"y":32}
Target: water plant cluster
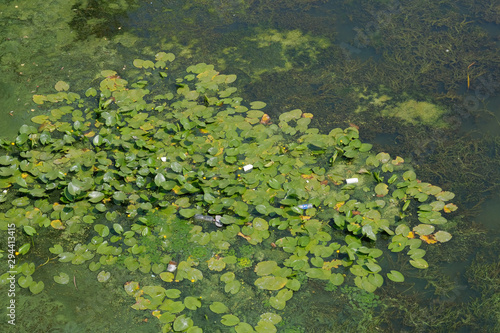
{"x":116,"y":177}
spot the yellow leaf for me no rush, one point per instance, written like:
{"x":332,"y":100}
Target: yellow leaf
{"x":57,"y":224}
{"x":327,"y":265}
{"x":39,"y":99}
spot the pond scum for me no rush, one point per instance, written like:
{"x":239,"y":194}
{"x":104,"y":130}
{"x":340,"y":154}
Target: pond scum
{"x":134,"y":169}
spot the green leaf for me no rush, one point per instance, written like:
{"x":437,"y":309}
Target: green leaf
{"x":442,"y":236}
{"x":62,"y":278}
{"x":445,"y":196}
{"x":36,"y":288}
{"x":61,"y":86}
{"x":230,"y":320}
{"x":95,"y":196}
{"x":381,"y":189}
{"x":173,"y":293}
{"x":192,"y":303}
{"x":419,"y":263}
{"x":187,"y":213}
{"x":365,"y":147}
{"x":271,"y":282}
{"x":29,"y":230}
{"x":24,"y":248}
{"x":103,"y":276}
{"x":424,"y":229}
{"x":257,"y":105}
{"x":182,"y":323}
{"x":102,"y":230}
{"x":56,"y":249}
{"x":266,"y":268}
{"x":244,"y":328}
{"x":25,"y":281}
{"x":232,"y":287}
{"x":395,"y":276}
{"x":218,"y":307}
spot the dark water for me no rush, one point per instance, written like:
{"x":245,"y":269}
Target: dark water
{"x":345,"y":62}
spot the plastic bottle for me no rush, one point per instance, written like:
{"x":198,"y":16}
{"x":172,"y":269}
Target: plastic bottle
{"x":305,"y":206}
{"x":248,"y":167}
{"x":351,"y":180}
{"x":218,"y":223}
{"x":204,"y":218}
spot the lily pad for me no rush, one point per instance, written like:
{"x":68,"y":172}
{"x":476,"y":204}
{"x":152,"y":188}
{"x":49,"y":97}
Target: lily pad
{"x":62,"y":278}
{"x":395,"y":276}
{"x":37,"y":287}
{"x":271,"y":282}
{"x":218,"y":307}
{"x":424,"y":229}
{"x":103,"y":276}
{"x":192,"y":303}
{"x":229,"y":320}
{"x":442,"y":236}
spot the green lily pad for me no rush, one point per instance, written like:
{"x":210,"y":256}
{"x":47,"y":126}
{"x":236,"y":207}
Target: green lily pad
{"x":173,"y":293}
{"x":266,"y":268}
{"x":62,"y":278}
{"x":445,"y":196}
{"x":244,"y":328}
{"x":36,"y":287}
{"x":192,"y":303}
{"x":216,"y":264}
{"x":395,"y":276}
{"x":381,"y":189}
{"x":424,"y":229}
{"x":25,"y":281}
{"x":229,"y":320}
{"x":61,"y":86}
{"x":419,"y":263}
{"x":271,"y":282}
{"x":103,"y":276}
{"x":182,"y":323}
{"x":218,"y":307}
{"x":442,"y":236}
{"x":232,"y":287}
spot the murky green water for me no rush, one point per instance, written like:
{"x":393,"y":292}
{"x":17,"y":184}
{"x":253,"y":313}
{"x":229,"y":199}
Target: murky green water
{"x":419,"y":79}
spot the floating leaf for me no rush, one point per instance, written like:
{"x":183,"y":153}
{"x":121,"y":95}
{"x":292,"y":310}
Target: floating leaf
{"x":36,"y":287}
{"x":216,"y":264}
{"x":448,"y":208}
{"x":445,"y":196}
{"x":419,"y":263}
{"x":61,"y":86}
{"x":218,"y":307}
{"x":424,"y":229}
{"x":232,"y":287}
{"x":62,"y":278}
{"x":381,"y":189}
{"x":271,"y":282}
{"x":229,"y":320}
{"x":182,"y":323}
{"x":95,"y":196}
{"x":192,"y":303}
{"x":442,"y":236}
{"x":244,"y":328}
{"x":103,"y":276}
{"x":395,"y":276}
{"x":173,"y":293}
{"x":30,"y":231}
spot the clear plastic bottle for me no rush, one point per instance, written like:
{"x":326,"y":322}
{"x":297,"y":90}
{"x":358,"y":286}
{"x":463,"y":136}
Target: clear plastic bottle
{"x":305,"y":206}
{"x":204,"y":218}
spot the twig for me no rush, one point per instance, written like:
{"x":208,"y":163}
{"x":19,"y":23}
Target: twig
{"x":74,"y":282}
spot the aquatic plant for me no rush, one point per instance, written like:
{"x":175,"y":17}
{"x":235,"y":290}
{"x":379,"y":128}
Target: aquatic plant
{"x":132,"y":163}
